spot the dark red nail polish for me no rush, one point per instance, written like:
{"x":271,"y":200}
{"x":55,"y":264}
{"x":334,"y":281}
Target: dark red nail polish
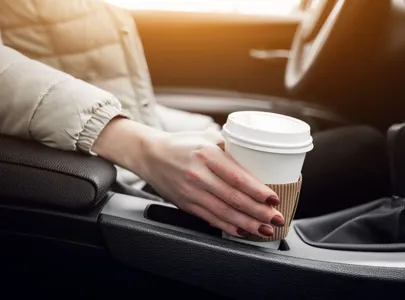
{"x":272,"y":201}
{"x":242,"y":232}
{"x":266,"y":230}
{"x":278,"y":221}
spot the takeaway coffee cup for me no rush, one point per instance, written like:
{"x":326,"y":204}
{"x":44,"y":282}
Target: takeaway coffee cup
{"x":272,"y":147}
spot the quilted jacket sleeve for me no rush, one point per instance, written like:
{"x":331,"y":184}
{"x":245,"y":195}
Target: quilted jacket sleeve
{"x":41,"y":103}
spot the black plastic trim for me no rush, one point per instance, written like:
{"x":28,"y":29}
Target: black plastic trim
{"x":46,"y":224}
{"x":242,"y":272}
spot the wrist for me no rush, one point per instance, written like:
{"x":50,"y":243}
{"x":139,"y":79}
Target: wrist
{"x":126,"y":143}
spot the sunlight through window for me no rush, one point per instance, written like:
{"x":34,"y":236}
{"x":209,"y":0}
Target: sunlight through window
{"x":260,"y":7}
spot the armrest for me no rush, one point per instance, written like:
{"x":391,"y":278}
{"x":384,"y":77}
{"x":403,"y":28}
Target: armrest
{"x":36,"y":175}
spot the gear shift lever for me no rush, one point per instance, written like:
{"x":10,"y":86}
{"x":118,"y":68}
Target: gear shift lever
{"x":396,"y":149}
{"x":377,"y":226}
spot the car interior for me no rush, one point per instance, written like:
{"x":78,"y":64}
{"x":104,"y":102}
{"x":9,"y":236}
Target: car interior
{"x":331,"y":63}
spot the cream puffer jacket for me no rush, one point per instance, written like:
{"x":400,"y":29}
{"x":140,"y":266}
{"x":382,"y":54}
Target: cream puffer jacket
{"x":67,"y":67}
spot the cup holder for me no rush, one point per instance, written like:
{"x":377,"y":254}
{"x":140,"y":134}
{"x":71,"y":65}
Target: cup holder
{"x":172,"y":216}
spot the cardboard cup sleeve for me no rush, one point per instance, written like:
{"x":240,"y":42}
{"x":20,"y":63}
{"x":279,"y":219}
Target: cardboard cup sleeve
{"x":289,"y":197}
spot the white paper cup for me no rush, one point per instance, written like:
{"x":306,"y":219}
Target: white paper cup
{"x":270,"y":146}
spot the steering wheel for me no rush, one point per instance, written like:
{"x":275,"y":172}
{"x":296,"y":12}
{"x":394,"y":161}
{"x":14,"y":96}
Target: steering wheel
{"x":310,"y":40}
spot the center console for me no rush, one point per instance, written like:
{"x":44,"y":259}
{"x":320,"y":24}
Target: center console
{"x":64,"y":197}
{"x":200,"y":257}
{"x":355,"y":254}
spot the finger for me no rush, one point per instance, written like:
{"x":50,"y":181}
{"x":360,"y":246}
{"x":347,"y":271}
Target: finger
{"x":215,"y":186}
{"x":229,"y":215}
{"x":232,"y":173}
{"x":240,"y":201}
{"x":215,"y":221}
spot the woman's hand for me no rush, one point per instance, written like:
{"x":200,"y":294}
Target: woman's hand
{"x":193,"y":172}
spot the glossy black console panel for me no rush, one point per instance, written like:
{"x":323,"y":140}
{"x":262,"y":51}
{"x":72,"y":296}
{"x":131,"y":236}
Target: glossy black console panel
{"x":242,"y":271}
{"x":48,"y":252}
{"x":45,"y":224}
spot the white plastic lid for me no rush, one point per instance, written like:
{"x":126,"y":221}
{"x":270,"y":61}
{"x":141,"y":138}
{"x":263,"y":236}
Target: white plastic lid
{"x":268,"y":132}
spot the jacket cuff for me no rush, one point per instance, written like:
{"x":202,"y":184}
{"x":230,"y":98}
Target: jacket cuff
{"x":92,"y":129}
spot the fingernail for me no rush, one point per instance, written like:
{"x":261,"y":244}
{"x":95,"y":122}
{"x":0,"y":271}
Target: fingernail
{"x":278,"y":221}
{"x":272,"y":200}
{"x":242,"y":232}
{"x":266,"y":230}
